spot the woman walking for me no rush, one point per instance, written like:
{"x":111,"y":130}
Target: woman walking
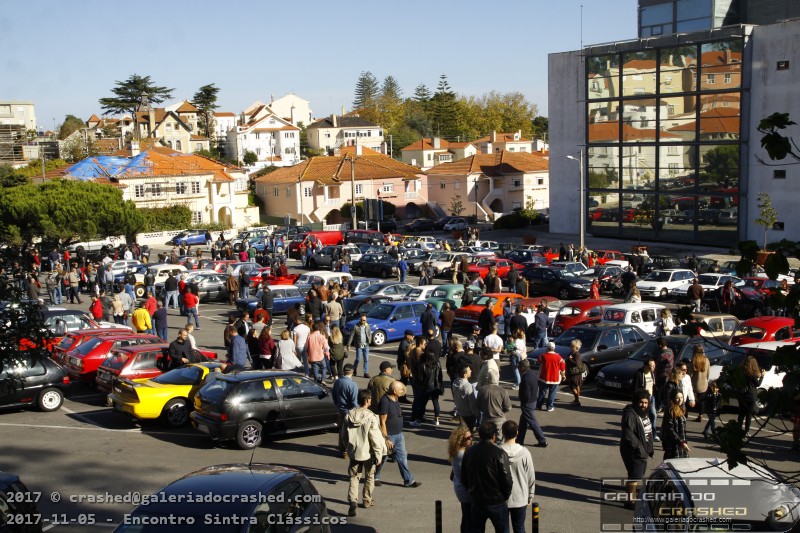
{"x":336,"y":342}
{"x":575,"y":371}
{"x":700,"y":369}
{"x":748,"y":398}
{"x":673,"y":428}
{"x":460,"y":439}
{"x":518,"y":353}
{"x":432,"y":384}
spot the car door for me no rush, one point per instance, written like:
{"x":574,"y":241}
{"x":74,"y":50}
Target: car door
{"x":258,"y":399}
{"x":33,"y":374}
{"x":416,"y":323}
{"x":402,"y":319}
{"x":301,"y":401}
{"x":607,"y":349}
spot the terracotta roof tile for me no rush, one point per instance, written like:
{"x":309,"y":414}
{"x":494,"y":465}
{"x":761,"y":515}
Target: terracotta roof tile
{"x":224,"y":114}
{"x":503,"y":162}
{"x":501,"y":137}
{"x":609,"y":132}
{"x":93,"y":118}
{"x":427,"y":144}
{"x":323,"y":169}
{"x":187,"y":107}
{"x":715,"y":120}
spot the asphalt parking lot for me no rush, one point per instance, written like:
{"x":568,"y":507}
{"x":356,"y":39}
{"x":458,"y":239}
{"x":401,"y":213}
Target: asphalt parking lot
{"x":85,"y":450}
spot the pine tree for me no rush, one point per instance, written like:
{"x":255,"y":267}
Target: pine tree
{"x":128,"y":95}
{"x":390,"y":109}
{"x":444,"y":110}
{"x":366,"y":94}
{"x":205,"y":100}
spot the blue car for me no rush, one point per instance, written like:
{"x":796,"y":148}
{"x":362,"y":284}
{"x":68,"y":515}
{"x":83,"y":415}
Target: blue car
{"x":389,"y":321}
{"x":285,"y":296}
{"x":189,"y":237}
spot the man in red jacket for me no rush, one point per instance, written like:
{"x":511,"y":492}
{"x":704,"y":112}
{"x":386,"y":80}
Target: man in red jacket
{"x":190,"y":302}
{"x":96,"y":308}
{"x":551,"y":373}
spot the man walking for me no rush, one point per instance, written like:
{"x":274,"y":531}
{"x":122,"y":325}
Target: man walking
{"x":361,"y":337}
{"x":160,"y":320}
{"x":171,"y":291}
{"x":381,"y":384}
{"x":695,"y":294}
{"x":345,"y":396}
{"x":74,"y":279}
{"x":402,"y":267}
{"x":190,"y":301}
{"x":365,"y":446}
{"x":391,"y":416}
{"x":486,"y":474}
{"x":523,"y":475}
{"x":551,"y":373}
{"x":528,"y":396}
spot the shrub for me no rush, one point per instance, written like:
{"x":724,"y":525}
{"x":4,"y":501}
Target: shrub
{"x":166,"y":218}
{"x":511,"y":221}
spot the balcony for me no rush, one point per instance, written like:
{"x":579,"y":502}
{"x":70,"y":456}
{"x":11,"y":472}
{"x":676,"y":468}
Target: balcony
{"x":412,"y":194}
{"x":333,"y":201}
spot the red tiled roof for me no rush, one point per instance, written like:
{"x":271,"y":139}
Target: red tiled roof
{"x":224,"y":114}
{"x":187,"y":107}
{"x":368,"y":166}
{"x":427,"y":144}
{"x":609,"y":132}
{"x":715,"y":120}
{"x":502,"y":162}
{"x":502,"y":138}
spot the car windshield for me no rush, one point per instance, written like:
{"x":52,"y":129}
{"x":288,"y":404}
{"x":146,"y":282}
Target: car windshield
{"x":481,"y":301}
{"x":440,"y":256}
{"x":304,"y":279}
{"x":439,"y":293}
{"x":187,"y":375}
{"x":586,"y":336}
{"x":748,"y":332}
{"x":372,"y":289}
{"x":647,"y":351}
{"x":414,"y":293}
{"x":658,"y":276}
{"x":88,"y":346}
{"x":116,"y":361}
{"x":705,"y":279}
{"x":380,"y":312}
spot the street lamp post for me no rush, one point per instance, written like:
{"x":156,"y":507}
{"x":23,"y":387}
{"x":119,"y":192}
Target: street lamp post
{"x":582,"y":199}
{"x":476,"y":200}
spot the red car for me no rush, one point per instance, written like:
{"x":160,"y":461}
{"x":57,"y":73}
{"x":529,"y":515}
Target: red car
{"x":469,"y":314}
{"x":74,"y":339}
{"x":763,"y":329}
{"x":765,"y":285}
{"x":219,"y":265}
{"x":258,"y":275}
{"x":578,"y":312}
{"x":503,"y":267}
{"x":82,"y":362}
{"x":281,"y":280}
{"x":604,"y":256}
{"x":136,"y":362}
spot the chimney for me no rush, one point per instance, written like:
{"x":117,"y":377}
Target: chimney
{"x":152,"y":120}
{"x":518,"y":135}
{"x":727,"y":56}
{"x":134,"y":148}
{"x":493,"y":136}
{"x":342,"y":110}
{"x":292,"y":117}
{"x":358,"y":149}
{"x":437,"y":143}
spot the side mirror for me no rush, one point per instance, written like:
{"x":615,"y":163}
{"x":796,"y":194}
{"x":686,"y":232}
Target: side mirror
{"x":602,"y":347}
{"x":394,"y":318}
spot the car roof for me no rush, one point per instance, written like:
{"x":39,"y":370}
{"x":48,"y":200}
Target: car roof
{"x":779,"y":321}
{"x":586,"y":304}
{"x":249,"y":375}
{"x":600,"y":325}
{"x":426,"y":287}
{"x":635,"y":307}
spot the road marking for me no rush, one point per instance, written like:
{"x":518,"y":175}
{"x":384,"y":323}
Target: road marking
{"x":100,"y":428}
{"x":79,"y":416}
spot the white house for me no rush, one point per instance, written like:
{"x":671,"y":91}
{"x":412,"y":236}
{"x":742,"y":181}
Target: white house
{"x":334,"y":132}
{"x":275,"y":141}
{"x":292,"y":108}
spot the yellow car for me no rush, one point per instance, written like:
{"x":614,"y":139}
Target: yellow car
{"x":169,"y":396}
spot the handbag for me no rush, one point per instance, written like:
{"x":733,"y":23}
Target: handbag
{"x":405,"y":372}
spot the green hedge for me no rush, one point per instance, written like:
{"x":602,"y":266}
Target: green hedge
{"x":166,"y":218}
{"x":511,"y":221}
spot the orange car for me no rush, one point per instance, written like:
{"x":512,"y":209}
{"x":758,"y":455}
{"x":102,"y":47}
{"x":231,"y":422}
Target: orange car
{"x":469,"y":314}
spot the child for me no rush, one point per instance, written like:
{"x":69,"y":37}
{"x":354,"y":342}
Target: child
{"x":712,"y":406}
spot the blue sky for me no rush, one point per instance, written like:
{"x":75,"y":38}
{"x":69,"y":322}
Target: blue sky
{"x":66,"y":55}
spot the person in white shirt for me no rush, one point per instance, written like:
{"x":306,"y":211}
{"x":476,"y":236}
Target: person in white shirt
{"x":686,"y":385}
{"x":192,"y":342}
{"x":128,"y":254}
{"x":494,"y":343}
{"x":300,"y":335}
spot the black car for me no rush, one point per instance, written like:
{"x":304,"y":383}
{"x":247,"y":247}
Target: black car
{"x":601,"y":344}
{"x":389,"y":225}
{"x":17,"y":502}
{"x":557,"y":282}
{"x":33,"y":380}
{"x":663,"y":262}
{"x":525,"y":256}
{"x":247,"y":497}
{"x":440,"y":223}
{"x":245,"y":406}
{"x":420,"y":224}
{"x":361,"y":303}
{"x":619,"y":376}
{"x":383,"y":265}
{"x":749,"y":302}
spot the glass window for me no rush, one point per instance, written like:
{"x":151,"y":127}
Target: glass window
{"x":677,"y":69}
{"x":719,"y":169}
{"x":717,"y":60}
{"x":676,"y":167}
{"x":604,"y":218}
{"x":602,"y":76}
{"x":603,"y":162}
{"x":638,"y":167}
{"x":603,"y":122}
{"x":639,"y":73}
{"x":693,"y":9}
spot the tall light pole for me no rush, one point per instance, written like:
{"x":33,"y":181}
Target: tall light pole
{"x":582,"y":200}
{"x":476,"y":200}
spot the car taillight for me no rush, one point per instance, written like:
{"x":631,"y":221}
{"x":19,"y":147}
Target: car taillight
{"x":65,"y":380}
{"x":223,"y":417}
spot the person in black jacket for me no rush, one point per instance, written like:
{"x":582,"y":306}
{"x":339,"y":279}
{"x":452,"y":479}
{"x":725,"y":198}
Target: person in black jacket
{"x":180,"y":350}
{"x":528,"y":394}
{"x":486,"y":319}
{"x":748,"y":397}
{"x":486,"y":474}
{"x":518,"y":321}
{"x":314,"y":305}
{"x":428,"y":319}
{"x":636,"y":444}
{"x":267,"y":301}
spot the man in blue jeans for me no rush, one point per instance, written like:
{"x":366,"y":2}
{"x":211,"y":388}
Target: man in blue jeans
{"x":540,"y":328}
{"x":552,"y":372}
{"x":391,"y":416}
{"x":361,"y":337}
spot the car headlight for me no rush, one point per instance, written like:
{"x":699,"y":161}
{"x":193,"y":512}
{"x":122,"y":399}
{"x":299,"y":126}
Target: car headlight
{"x":576,"y":285}
{"x":601,"y":375}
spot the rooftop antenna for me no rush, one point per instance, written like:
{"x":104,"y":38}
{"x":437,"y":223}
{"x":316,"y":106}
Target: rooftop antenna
{"x":581,"y":26}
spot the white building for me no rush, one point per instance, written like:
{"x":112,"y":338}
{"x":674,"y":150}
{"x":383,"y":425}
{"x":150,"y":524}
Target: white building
{"x":275,"y":141}
{"x":334,"y":132}
{"x":18,"y":113}
{"x":292,"y":108}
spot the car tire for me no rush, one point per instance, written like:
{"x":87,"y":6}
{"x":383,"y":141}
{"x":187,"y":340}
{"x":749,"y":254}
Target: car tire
{"x":705,"y":307}
{"x":384,"y":273}
{"x":312,"y":263}
{"x":183,"y":243}
{"x":563,"y":294}
{"x":50,"y":400}
{"x":176,"y":412}
{"x":379,"y":338}
{"x":248,"y":436}
{"x":357,"y":271}
{"x":139,"y":291}
{"x":663,"y":294}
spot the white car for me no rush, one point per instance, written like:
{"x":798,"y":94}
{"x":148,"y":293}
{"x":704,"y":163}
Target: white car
{"x":443,"y":261}
{"x":709,"y":282}
{"x":646,"y":316}
{"x":477,"y":251}
{"x":457,"y":224}
{"x":659,"y":283}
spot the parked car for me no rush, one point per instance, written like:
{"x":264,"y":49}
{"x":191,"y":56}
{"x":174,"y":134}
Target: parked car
{"x":73,"y":339}
{"x":188,"y":237}
{"x":354,"y":306}
{"x":469,"y":314}
{"x":660,"y":283}
{"x":646,"y":316}
{"x":708,"y":281}
{"x":718,"y":325}
{"x":28,"y":379}
{"x":763,"y":329}
{"x":355,"y":285}
{"x":420,"y":293}
{"x":18,"y":504}
{"x":747,"y":497}
{"x":389,"y":320}
{"x":578,"y":312}
{"x":393,"y":290}
{"x":503,"y":267}
{"x":324,"y":258}
{"x":246,"y":406}
{"x":573,"y":267}
{"x":604,"y":256}
{"x":419,"y":224}
{"x":138,"y":362}
{"x":456,"y":224}
{"x":169,"y":396}
{"x":440,"y":222}
{"x":284,"y":298}
{"x":82,"y":362}
{"x":525,"y":256}
{"x":619,"y":376}
{"x":318,"y":277}
{"x":383,"y":265}
{"x":601,"y":344}
{"x":750,"y":302}
{"x":210,"y":287}
{"x":356,"y":236}
{"x":557,"y":282}
{"x":453,"y":294}
{"x":252,"y":496}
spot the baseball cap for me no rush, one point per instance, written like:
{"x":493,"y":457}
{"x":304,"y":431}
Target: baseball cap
{"x":476,"y":328}
{"x":385,"y":365}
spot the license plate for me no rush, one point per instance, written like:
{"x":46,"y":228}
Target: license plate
{"x":203,"y":428}
{"x":613,"y":384}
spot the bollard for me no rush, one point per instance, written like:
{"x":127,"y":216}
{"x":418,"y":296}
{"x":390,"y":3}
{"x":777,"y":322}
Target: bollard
{"x":438,"y":516}
{"x":535,"y":517}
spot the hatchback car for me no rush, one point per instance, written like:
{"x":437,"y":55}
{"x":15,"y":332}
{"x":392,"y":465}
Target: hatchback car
{"x":419,"y":224}
{"x":708,"y":281}
{"x":469,"y":314}
{"x":245,"y":406}
{"x":251,"y":496}
{"x":601,"y":344}
{"x":556,"y":282}
{"x":660,"y":283}
{"x":354,"y":306}
{"x":645,"y":315}
{"x":749,"y":302}
{"x":28,"y":379}
{"x":284,"y":298}
{"x":453,"y":294}
{"x":389,"y":320}
{"x":138,"y":362}
{"x":189,"y":237}
{"x":456,"y":224}
{"x":383,"y":265}
{"x":391,"y":289}
{"x":82,"y":362}
{"x":763,"y":329}
{"x":579,"y":312}
{"x":324,"y":258}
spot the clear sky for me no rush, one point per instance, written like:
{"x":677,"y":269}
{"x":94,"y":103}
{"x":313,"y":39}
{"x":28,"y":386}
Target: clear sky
{"x":65,"y":55}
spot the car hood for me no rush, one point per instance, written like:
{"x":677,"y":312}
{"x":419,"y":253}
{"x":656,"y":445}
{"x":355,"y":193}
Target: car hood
{"x":622,"y":370}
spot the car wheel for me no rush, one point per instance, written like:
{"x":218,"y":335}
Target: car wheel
{"x":379,"y":338}
{"x":249,"y":435}
{"x":705,"y":307}
{"x":139,"y":291}
{"x":664,"y":293}
{"x":176,"y":412}
{"x":50,"y":400}
{"x":183,"y":243}
{"x":357,"y":271}
{"x":563,"y":294}
{"x":384,"y":273}
{"x":312,"y":263}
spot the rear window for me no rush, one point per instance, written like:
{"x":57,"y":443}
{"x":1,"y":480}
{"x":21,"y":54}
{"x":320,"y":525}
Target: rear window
{"x":66,"y":343}
{"x":748,"y":332}
{"x":88,"y":346}
{"x":180,"y":376}
{"x":217,"y":390}
{"x":116,"y":361}
{"x":438,"y":293}
{"x":414,"y":293}
{"x":614,"y":315}
{"x":569,"y":311}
